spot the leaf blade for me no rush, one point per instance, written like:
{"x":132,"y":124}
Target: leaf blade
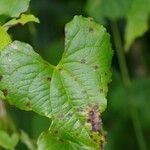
{"x":66,"y":93}
{"x":13,"y":8}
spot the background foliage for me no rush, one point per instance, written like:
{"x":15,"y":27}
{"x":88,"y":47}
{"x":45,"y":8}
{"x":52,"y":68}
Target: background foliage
{"x":127,"y":117}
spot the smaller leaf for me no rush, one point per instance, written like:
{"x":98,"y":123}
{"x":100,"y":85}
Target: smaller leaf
{"x":137,"y":21}
{"x":4,"y":38}
{"x":111,"y":9}
{"x":13,"y":8}
{"x":8,"y":142}
{"x":22,"y":20}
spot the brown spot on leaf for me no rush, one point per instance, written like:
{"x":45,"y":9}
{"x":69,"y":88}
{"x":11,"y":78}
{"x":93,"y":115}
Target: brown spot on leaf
{"x":60,"y":69}
{"x":48,"y":78}
{"x":91,"y":29}
{"x":94,"y":119}
{"x":5,"y":92}
{"x":1,"y":77}
{"x":56,"y":131}
{"x":95,"y":67}
{"x":83,"y":61}
{"x":91,"y":113}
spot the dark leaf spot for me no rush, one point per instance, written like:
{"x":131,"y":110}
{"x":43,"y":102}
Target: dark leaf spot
{"x":91,"y":113}
{"x":5,"y":92}
{"x":91,"y":29}
{"x":83,"y":61}
{"x":89,"y":120}
{"x":94,"y":119}
{"x":56,"y":131}
{"x":96,"y":67}
{"x":48,"y":78}
{"x":61,"y":140}
{"x":59,"y":69}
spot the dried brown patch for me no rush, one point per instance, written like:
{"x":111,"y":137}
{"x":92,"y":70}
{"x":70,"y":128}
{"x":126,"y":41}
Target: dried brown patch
{"x":94,"y":119}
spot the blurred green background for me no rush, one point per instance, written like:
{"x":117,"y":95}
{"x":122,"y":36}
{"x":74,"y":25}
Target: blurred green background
{"x":127,"y":117}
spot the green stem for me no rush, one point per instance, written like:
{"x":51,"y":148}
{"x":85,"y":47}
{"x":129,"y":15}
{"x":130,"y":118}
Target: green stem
{"x":120,"y":54}
{"x":127,"y":82}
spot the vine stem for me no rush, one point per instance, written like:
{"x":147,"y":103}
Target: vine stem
{"x":127,"y":82}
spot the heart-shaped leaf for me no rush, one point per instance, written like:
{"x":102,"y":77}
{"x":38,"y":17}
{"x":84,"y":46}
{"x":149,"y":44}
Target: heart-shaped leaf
{"x":72,"y":93}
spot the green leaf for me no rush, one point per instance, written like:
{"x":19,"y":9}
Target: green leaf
{"x":4,"y":38}
{"x":8,"y":142}
{"x":73,"y":93}
{"x":111,"y":9}
{"x":136,"y":13}
{"x":25,"y":18}
{"x":137,"y":21}
{"x":13,"y":8}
